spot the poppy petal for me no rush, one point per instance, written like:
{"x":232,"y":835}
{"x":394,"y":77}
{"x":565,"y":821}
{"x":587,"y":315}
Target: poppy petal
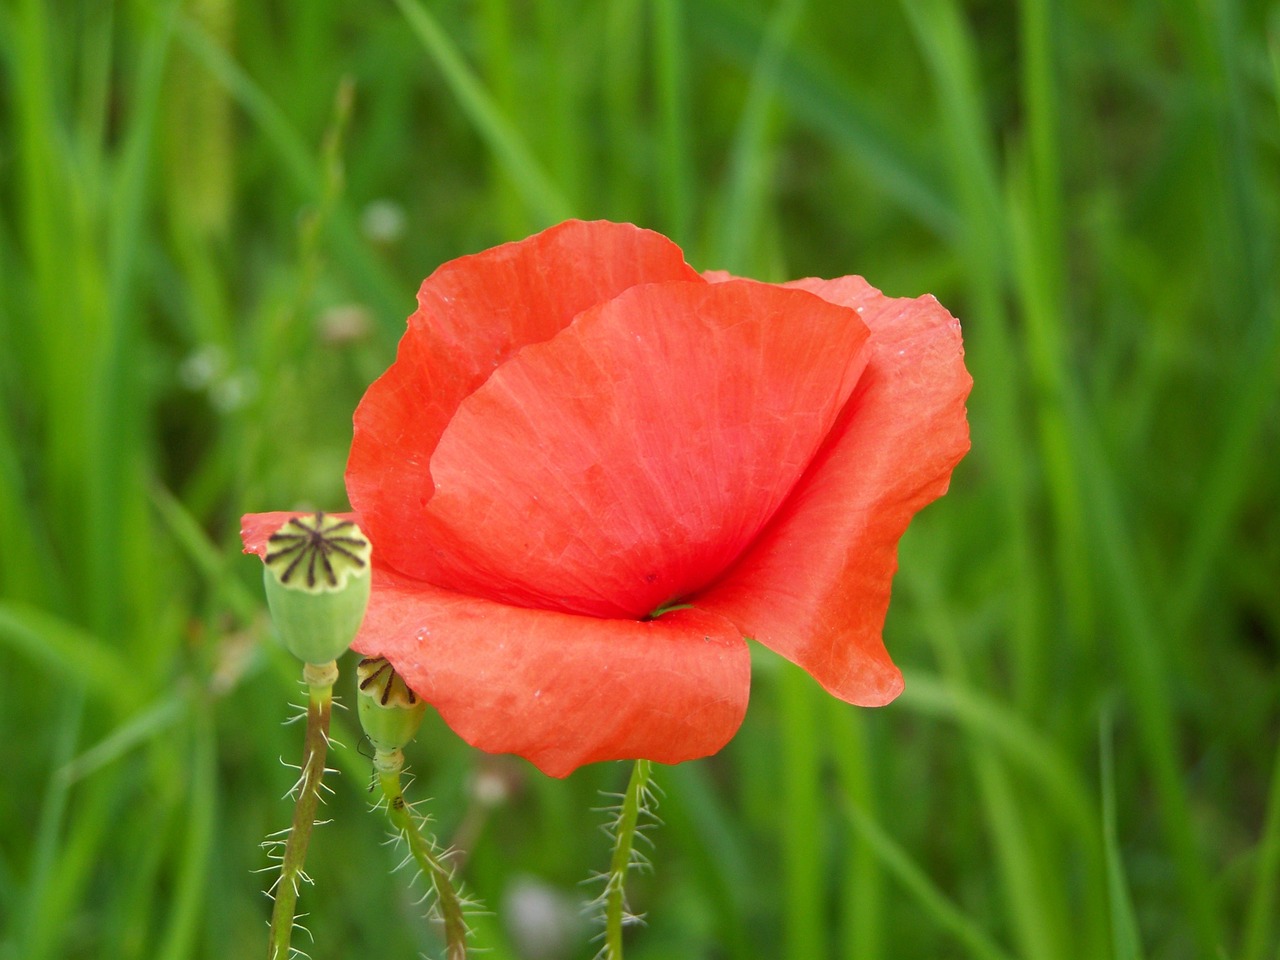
{"x":815,"y":586}
{"x":255,"y":528}
{"x":473,"y":314}
{"x":558,"y":689}
{"x":629,"y":460}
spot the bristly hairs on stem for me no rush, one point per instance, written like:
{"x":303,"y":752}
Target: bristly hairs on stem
{"x":296,"y":838}
{"x":447,"y":904}
{"x":630,"y":819}
{"x":390,"y":713}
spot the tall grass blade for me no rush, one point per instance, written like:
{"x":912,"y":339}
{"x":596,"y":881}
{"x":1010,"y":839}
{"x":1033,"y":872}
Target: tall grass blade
{"x":804,"y":865}
{"x":382,"y":289}
{"x":190,"y":893}
{"x":820,"y":102}
{"x":1000,"y":726}
{"x":720,"y":854}
{"x":40,"y":914}
{"x":496,"y":33}
{"x":1260,"y":922}
{"x":542,"y":196}
{"x":981,"y":240}
{"x":1249,"y":290}
{"x":156,"y":720}
{"x":750,"y":178}
{"x":935,"y":904}
{"x":862,"y":933}
{"x":1034,"y":906}
{"x":676,"y":177}
{"x":79,"y":657}
{"x":1125,"y":943}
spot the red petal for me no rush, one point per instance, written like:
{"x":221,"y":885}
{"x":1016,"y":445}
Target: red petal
{"x":558,"y":689}
{"x":631,"y":459}
{"x":473,"y":314}
{"x":815,"y":587}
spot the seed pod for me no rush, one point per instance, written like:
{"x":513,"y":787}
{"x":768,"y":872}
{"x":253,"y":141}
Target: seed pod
{"x":317,"y":578}
{"x":390,"y":711}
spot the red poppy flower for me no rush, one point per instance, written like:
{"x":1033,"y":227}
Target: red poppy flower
{"x":591,"y":471}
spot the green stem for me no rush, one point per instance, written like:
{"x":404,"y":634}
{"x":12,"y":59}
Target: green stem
{"x":615,"y":911}
{"x":319,"y":679}
{"x":388,"y":764}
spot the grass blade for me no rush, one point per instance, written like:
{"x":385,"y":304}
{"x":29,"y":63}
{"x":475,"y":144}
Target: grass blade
{"x":540,"y":194}
{"x":676,"y":177}
{"x":935,"y":904}
{"x":1125,"y":944}
{"x":804,"y":866}
{"x":80,"y":657}
{"x":1260,"y":922}
{"x":750,"y":177}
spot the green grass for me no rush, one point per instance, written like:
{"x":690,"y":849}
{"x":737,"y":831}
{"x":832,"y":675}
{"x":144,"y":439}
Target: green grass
{"x":1085,"y":762}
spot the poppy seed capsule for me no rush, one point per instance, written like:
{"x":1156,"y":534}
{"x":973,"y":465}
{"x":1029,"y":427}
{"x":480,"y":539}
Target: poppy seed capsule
{"x":317,"y":582}
{"x":390,"y":711}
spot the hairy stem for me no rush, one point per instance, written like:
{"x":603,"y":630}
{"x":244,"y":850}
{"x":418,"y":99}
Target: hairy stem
{"x":615,"y":910}
{"x":319,"y":679}
{"x":388,"y":765}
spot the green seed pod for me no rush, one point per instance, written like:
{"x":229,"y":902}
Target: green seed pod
{"x":317,"y":581}
{"x":390,"y":712}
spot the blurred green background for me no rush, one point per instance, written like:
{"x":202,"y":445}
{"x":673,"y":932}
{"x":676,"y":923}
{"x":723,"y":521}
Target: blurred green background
{"x":213,"y":218}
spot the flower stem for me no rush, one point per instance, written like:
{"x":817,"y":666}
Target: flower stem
{"x":625,"y":828}
{"x":389,"y":764}
{"x":319,"y":679}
